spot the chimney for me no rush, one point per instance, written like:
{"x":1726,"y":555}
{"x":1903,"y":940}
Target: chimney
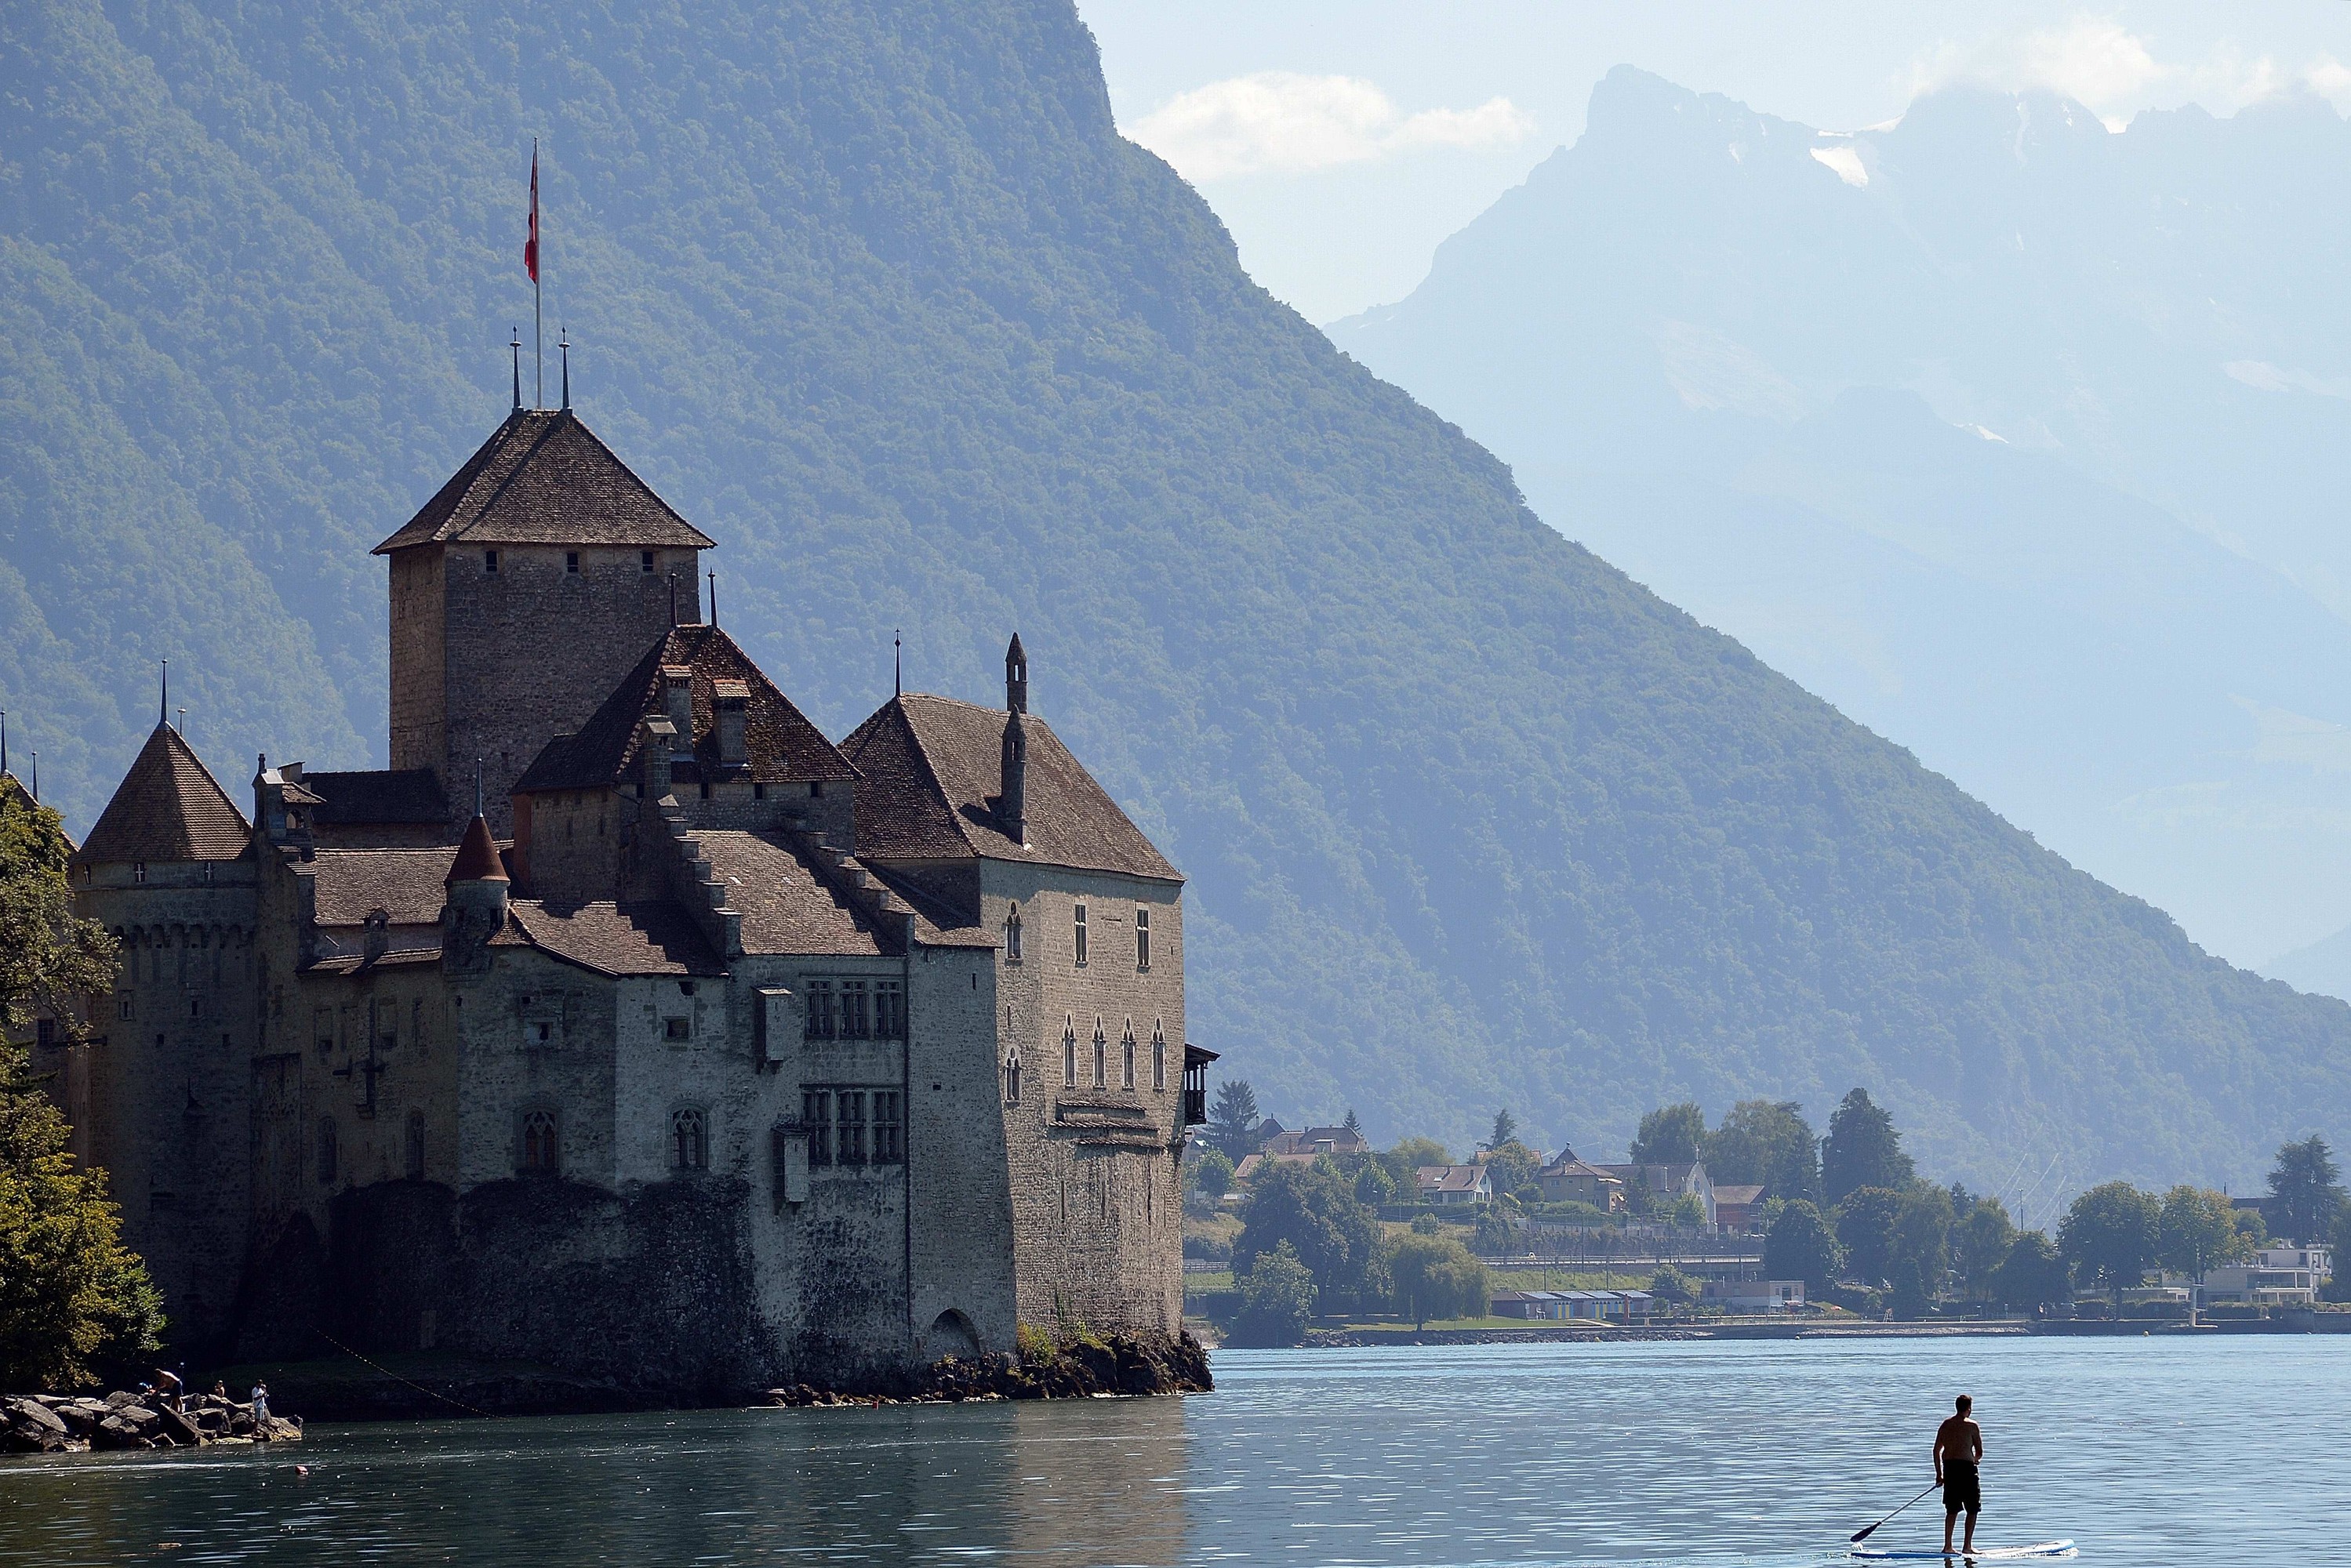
{"x":731,"y":701}
{"x":656,"y":739}
{"x":677,"y":696}
{"x":1012,"y":791}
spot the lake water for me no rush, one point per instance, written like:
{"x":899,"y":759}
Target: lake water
{"x":2146,"y":1451}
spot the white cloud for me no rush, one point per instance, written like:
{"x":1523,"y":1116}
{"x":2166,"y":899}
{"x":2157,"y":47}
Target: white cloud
{"x":2098,"y":62}
{"x":1283,"y":122}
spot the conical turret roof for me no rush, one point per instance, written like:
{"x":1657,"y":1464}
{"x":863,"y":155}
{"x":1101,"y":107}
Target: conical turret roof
{"x":477,"y":856}
{"x":168,"y":807}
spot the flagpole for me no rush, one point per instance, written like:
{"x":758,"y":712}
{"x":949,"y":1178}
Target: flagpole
{"x":538,"y":317}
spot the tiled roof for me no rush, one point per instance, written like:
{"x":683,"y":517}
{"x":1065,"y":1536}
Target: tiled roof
{"x":404,"y":884}
{"x":783,"y":746}
{"x":409,"y":795}
{"x":785,"y":906}
{"x":169,"y":807}
{"x":542,"y":478}
{"x":651,"y":938}
{"x":1733,"y":1196}
{"x":478,"y":857}
{"x":1450,"y":1178}
{"x":932,"y":767}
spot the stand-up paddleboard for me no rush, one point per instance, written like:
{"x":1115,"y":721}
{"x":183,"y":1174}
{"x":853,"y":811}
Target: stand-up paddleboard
{"x":1981,"y":1553}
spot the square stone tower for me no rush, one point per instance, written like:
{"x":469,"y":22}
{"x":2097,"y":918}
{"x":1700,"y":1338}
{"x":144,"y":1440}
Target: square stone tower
{"x":521,"y":593}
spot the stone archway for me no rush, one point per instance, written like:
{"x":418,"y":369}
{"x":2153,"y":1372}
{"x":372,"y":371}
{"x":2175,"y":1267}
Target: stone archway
{"x":952,"y":1335}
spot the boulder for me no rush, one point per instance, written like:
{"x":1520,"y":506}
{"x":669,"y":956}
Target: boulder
{"x":179,"y":1428}
{"x":34,"y":1427}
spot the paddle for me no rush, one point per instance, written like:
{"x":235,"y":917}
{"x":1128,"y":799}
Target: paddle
{"x":1862,"y":1535}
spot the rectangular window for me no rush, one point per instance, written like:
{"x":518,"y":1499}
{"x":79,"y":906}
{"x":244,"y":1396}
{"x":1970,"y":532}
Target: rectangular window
{"x":854,"y":1024}
{"x":758,"y":791}
{"x":672,"y":1029}
{"x":816,"y":1115}
{"x":888,"y":1009}
{"x":1069,"y":1059}
{"x":819,"y":1010}
{"x":1101,"y":1052}
{"x":888,"y":1130}
{"x":45,"y":1033}
{"x":645,"y":561}
{"x":1143,"y":938}
{"x":122,"y":1006}
{"x":572,"y":561}
{"x":1079,"y":927}
{"x":849,"y":1116}
{"x":1126,"y":1062}
{"x":489,"y":561}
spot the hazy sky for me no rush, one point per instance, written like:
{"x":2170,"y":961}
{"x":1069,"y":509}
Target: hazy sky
{"x":1340,"y":139}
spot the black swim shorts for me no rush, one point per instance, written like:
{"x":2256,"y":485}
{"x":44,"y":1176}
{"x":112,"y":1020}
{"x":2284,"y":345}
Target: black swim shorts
{"x":1962,"y":1488}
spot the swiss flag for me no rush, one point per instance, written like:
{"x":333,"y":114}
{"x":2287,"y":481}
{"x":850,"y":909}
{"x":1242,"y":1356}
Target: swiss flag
{"x":530,"y":246}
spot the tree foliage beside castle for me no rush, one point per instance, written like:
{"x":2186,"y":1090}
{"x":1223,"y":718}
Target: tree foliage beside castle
{"x":73,"y":1305}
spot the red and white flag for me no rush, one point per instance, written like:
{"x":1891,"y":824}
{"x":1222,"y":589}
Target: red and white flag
{"x":530,"y":246}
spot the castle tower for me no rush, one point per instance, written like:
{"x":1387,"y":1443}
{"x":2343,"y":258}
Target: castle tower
{"x":521,"y":593}
{"x":169,"y":871}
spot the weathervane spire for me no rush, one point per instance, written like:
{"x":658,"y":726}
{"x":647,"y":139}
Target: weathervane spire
{"x":897,"y":662}
{"x":164,"y":700}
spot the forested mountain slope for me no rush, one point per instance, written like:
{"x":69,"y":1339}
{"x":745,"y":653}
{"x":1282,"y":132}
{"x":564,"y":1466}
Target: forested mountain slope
{"x":878,"y":297}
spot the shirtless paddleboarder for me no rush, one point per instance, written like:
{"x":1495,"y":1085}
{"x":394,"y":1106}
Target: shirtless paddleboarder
{"x":1958,"y":1449}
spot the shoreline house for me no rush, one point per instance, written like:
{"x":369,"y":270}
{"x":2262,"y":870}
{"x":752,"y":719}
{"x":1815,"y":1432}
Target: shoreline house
{"x":1739,"y":1207}
{"x":2272,"y":1277}
{"x":1755,"y":1295}
{"x":1454,"y":1185}
{"x":1567,"y":1179}
{"x":1571,"y":1306}
{"x":626,"y":1023}
{"x":1301,"y":1147}
{"x":1665,"y":1183}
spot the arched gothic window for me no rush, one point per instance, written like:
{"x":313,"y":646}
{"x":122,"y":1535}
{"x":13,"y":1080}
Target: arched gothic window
{"x":1012,"y":935}
{"x":1101,"y":1055}
{"x":542,"y":1144}
{"x":1070,"y":1054}
{"x":689,"y":1141}
{"x":1126,"y":1058}
{"x":1158,"y":1058}
{"x":1012,"y":1076}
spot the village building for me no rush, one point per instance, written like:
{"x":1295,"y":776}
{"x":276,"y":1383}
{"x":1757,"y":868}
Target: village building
{"x":1571,"y":1180}
{"x":1739,"y":1206}
{"x":626,"y":1023}
{"x":1450,"y":1185}
{"x":1665,"y":1183}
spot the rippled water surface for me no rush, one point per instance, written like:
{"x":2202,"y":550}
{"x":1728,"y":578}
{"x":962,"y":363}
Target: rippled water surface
{"x":2145,"y":1451}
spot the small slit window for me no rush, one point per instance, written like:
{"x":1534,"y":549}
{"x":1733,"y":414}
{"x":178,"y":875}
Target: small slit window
{"x":1101,"y":1055}
{"x":1068,"y":1055}
{"x":1143,"y":938}
{"x":489,"y":561}
{"x":572,"y":562}
{"x":1012,"y":935}
{"x":328,"y":1152}
{"x":1078,"y":934}
{"x":1158,"y":1059}
{"x":1012,"y":1076}
{"x":1126,"y":1059}
{"x":645,"y":561}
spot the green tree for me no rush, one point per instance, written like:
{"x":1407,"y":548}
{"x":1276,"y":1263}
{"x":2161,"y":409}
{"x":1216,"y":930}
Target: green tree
{"x":2109,"y":1235}
{"x":1404,"y":1160}
{"x":1683,"y":1208}
{"x":1233,"y":1118}
{"x":2034,"y":1274}
{"x":1862,"y":1150}
{"x":1374,"y":1184}
{"x":1313,"y":1209}
{"x":1864,"y":1224}
{"x":75,"y":1305}
{"x":1671,"y":1135}
{"x":1506,"y":1129}
{"x":2196,"y":1229}
{"x":1769,"y":1143}
{"x":1512,"y":1165}
{"x":2304,"y":1193}
{"x":1494,"y":1233}
{"x":1798,"y":1245}
{"x":1351,"y":1124}
{"x":1982,"y":1235}
{"x":1921,"y":1239}
{"x":1211,"y":1172}
{"x":1433,"y":1276}
{"x":1277,"y":1299}
{"x":1672,"y":1287}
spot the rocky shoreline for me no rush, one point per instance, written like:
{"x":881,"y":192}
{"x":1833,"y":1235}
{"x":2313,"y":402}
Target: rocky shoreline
{"x":1078,"y":1369}
{"x":73,"y":1424}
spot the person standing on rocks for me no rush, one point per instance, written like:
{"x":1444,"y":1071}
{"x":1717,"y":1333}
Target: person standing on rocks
{"x":261,"y":1411}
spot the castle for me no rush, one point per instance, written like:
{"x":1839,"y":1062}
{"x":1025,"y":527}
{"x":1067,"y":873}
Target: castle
{"x":627,"y":1024}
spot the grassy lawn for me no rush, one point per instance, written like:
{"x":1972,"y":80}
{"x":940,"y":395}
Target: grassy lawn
{"x":1201,"y":1284}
